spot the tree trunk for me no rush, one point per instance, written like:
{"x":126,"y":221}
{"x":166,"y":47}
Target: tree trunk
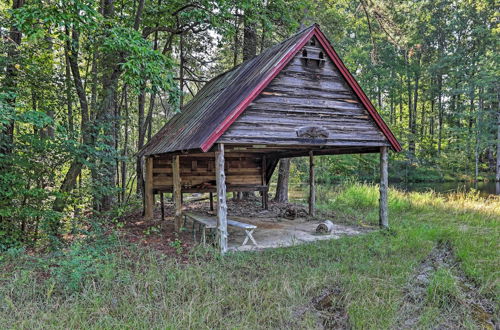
{"x":283,"y":176}
{"x":236,"y":39}
{"x":249,"y":37}
{"x":69,"y":95}
{"x":141,"y":99}
{"x":110,"y":67}
{"x":87,"y":130}
{"x":125,"y":147}
{"x":181,"y":70}
{"x":312,"y":187}
{"x":411,"y":137}
{"x":10,"y":83}
{"x":412,"y":106}
{"x":384,"y":180}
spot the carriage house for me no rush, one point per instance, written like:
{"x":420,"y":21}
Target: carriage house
{"x":295,"y":99}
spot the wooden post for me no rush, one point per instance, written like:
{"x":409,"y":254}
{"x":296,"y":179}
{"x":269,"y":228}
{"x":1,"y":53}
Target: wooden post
{"x":312,"y":188}
{"x":220,"y":178}
{"x":211,"y":201}
{"x":148,"y":189}
{"x":384,"y":181}
{"x":265,"y":195}
{"x":177,"y":193}
{"x":162,"y":203}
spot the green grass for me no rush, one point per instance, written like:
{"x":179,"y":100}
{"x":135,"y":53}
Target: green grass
{"x":104,"y":283}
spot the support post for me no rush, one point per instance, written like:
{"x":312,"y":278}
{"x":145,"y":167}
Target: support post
{"x":220,"y":178}
{"x":148,"y":189}
{"x":162,"y":203}
{"x":312,"y":188}
{"x":384,"y":182}
{"x":265,"y":195}
{"x":177,"y":193}
{"x":211,"y":201}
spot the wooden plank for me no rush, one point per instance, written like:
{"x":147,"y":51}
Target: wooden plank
{"x":305,"y":142}
{"x":312,"y":187}
{"x":260,"y":117}
{"x":384,"y":183}
{"x":177,"y":193}
{"x":239,"y":224}
{"x":221,"y":198}
{"x":229,"y":188}
{"x":306,"y":110}
{"x":208,"y":222}
{"x":290,"y":132}
{"x":148,"y":189}
{"x":309,"y":102}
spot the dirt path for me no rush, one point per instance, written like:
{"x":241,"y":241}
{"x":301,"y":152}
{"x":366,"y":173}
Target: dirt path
{"x":439,"y":284}
{"x":328,"y":309}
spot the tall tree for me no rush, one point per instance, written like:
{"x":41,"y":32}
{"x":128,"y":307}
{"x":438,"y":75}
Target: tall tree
{"x":281,"y":195}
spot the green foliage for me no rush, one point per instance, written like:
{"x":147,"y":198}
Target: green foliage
{"x":25,"y":203}
{"x":142,"y":63}
{"x":177,"y":245}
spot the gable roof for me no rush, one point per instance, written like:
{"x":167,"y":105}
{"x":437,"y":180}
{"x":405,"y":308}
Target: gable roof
{"x":219,"y":103}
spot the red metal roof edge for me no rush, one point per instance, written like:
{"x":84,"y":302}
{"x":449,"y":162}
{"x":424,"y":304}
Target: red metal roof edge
{"x":209,"y":142}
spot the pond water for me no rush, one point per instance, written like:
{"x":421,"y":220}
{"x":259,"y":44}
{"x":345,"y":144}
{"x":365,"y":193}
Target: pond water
{"x":299,"y":192}
{"x":485,"y":188}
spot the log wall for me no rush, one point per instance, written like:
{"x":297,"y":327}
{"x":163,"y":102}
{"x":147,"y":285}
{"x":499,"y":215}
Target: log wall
{"x":197,"y":172}
{"x":311,"y":92}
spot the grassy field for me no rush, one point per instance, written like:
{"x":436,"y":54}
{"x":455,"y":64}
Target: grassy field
{"x":438,"y":265}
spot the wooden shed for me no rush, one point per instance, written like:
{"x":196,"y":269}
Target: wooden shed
{"x":295,"y":99}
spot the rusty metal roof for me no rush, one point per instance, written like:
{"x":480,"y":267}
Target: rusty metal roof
{"x":216,"y":100}
{"x":219,"y":103}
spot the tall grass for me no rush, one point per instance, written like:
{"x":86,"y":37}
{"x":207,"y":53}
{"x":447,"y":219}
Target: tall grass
{"x":102,"y":283}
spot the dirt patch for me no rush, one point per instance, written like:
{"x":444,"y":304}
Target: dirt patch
{"x":160,"y":236}
{"x":328,"y":308}
{"x":156,"y":234}
{"x":456,"y":304}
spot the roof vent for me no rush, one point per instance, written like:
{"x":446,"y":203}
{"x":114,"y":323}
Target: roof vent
{"x":313,"y":56}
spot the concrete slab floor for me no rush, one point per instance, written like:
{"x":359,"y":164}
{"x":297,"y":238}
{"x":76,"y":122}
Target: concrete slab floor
{"x":271,"y":233}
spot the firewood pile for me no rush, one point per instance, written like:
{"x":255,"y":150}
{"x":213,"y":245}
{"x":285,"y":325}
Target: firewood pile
{"x":291,"y":211}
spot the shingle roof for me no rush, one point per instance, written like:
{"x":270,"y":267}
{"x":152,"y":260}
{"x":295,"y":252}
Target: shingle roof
{"x":222,"y":99}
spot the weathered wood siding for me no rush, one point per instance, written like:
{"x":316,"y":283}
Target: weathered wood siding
{"x":197,"y":172}
{"x":310,"y":91}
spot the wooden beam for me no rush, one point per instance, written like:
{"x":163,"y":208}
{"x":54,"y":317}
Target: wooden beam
{"x":384,"y":181}
{"x":148,"y":189}
{"x":265,"y":195}
{"x":177,"y":193}
{"x":312,"y":188}
{"x":220,"y":178}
